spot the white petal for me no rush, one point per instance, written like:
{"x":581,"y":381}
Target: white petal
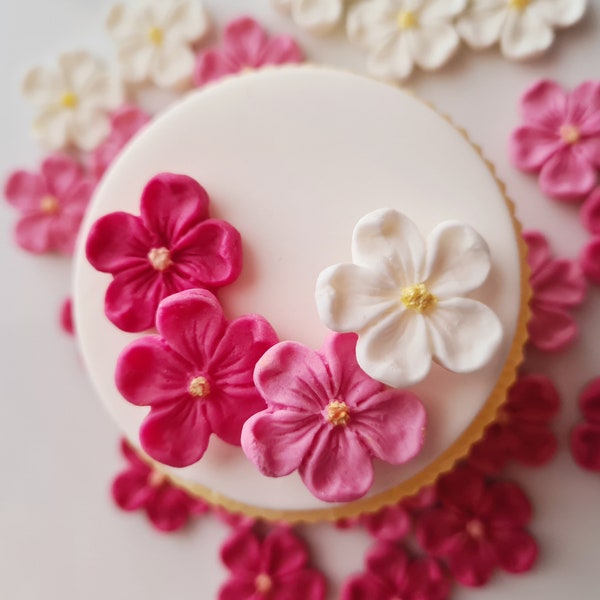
{"x":349,"y":297}
{"x":172,"y":65}
{"x":392,"y":59}
{"x":525,"y":35}
{"x":440,"y":10}
{"x":388,"y":242}
{"x":318,"y":16}
{"x":396,"y":350}
{"x":43,"y":86}
{"x":135,"y":60}
{"x":123,"y":22}
{"x":52,"y":127}
{"x":458,"y":260}
{"x":433,"y":46}
{"x":283,"y":4}
{"x":464,"y":334}
{"x":371,"y":23}
{"x":88,"y":129}
{"x":481,"y":26}
{"x":102,"y":92}
{"x":186,"y":21}
{"x":559,"y":13}
{"x":78,"y":69}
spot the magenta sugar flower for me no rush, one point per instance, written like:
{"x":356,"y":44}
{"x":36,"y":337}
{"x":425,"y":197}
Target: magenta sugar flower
{"x":585,"y":437}
{"x":327,"y":419}
{"x":52,"y":204}
{"x":172,"y":246}
{"x":196,"y":376}
{"x":560,"y":138}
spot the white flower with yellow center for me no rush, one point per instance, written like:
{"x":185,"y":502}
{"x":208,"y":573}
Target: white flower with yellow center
{"x":402,"y":33}
{"x":318,"y":16}
{"x":155,"y":37}
{"x":73,"y":101}
{"x":404,"y":297}
{"x":524,"y":28}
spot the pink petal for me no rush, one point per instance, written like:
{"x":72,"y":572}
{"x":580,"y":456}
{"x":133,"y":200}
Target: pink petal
{"x":241,"y":553}
{"x":212,"y":65}
{"x":176,"y":435}
{"x":532,"y":445}
{"x":590,"y":260}
{"x":544,"y":104}
{"x":282,"y":552}
{"x":567,"y":175}
{"x":390,"y":563}
{"x":277,"y":442}
{"x":171,"y":205}
{"x":25,"y":190}
{"x":585,"y":446}
{"x":551,"y":328}
{"x":33,"y":233}
{"x":63,"y":231}
{"x":306,"y":584}
{"x":77,"y":197}
{"x":474,"y":563}
{"x":133,"y":458}
{"x":462,"y":488}
{"x":589,"y":148}
{"x":584,"y":107}
{"x":427,"y":580}
{"x":339,"y":469}
{"x":130,"y":490}
{"x":169,"y":509}
{"x":559,"y":282}
{"x":490,"y":454}
{"x":66,"y":317}
{"x":439,"y":531}
{"x":389,"y":524}
{"x":505,"y":505}
{"x":589,"y":401}
{"x":280,"y":50}
{"x":538,"y":250}
{"x":529,"y":148}
{"x":516,"y":550}
{"x":245,"y":40}
{"x":128,"y":120}
{"x":590,"y":212}
{"x":366,"y":587}
{"x":61,"y":173}
{"x":238,"y":589}
{"x":533,"y":398}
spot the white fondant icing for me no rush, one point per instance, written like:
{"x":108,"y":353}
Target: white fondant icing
{"x":293,"y":157}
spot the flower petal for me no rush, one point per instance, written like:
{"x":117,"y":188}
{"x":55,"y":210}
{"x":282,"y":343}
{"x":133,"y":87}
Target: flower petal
{"x":370,"y":23}
{"x":504,"y":505}
{"x":463,"y":488}
{"x":561,"y":13}
{"x":365,"y":585}
{"x":173,"y":65}
{"x":524,"y":35}
{"x":538,"y":250}
{"x":585,"y":446}
{"x":531,"y":147}
{"x":130,"y":490}
{"x":428,"y":578}
{"x":318,"y":16}
{"x":544,"y":105}
{"x":241,"y":553}
{"x":52,"y":127}
{"x":551,"y":328}
{"x":481,"y":24}
{"x":245,"y":39}
{"x":283,"y":552}
{"x":434,"y":45}
{"x":389,"y":563}
{"x":584,"y":108}
{"x":61,"y":174}
{"x":42,"y":86}
{"x":307,"y":584}
{"x":439,"y":531}
{"x":25,"y":190}
{"x":169,"y":510}
{"x":473,"y":563}
{"x":213,"y":65}
{"x":389,"y":524}
{"x":135,"y":60}
{"x":78,"y":69}
{"x":590,"y":260}
{"x":533,"y":399}
{"x":589,"y":401}
{"x":89,"y":128}
{"x":516,"y":550}
{"x":187,"y":20}
{"x":281,"y":49}
{"x":242,"y":588}
{"x":434,"y":11}
{"x":559,"y":282}
{"x":392,"y":58}
{"x":33,"y":233}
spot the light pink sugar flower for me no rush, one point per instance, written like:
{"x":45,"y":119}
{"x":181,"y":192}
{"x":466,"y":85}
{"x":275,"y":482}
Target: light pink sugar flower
{"x":327,"y":419}
{"x":245,"y":45}
{"x":196,"y":376}
{"x":560,"y":138}
{"x":52,"y":204}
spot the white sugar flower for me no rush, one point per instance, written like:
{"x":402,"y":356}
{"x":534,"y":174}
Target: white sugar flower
{"x":318,"y":16}
{"x":403,"y":296}
{"x":402,"y":33}
{"x":524,"y":28}
{"x":73,"y":101}
{"x":154,"y":39}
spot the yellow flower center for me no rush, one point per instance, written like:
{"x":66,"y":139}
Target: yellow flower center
{"x":156,"y":36}
{"x":263,"y":583}
{"x":475,"y":529}
{"x":160,"y":258}
{"x":407,"y":19}
{"x":69,"y":100}
{"x":417,"y":297}
{"x":199,"y":387}
{"x":570,"y":134}
{"x":49,"y":205}
{"x":338,"y":413}
{"x":519,"y":4}
{"x":156,"y":479}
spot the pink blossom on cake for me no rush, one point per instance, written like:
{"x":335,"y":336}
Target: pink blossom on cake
{"x":560,"y":138}
{"x":139,"y":487}
{"x":585,"y":437}
{"x":124,"y":124}
{"x":327,"y":419}
{"x":389,"y":524}
{"x":590,"y":260}
{"x":66,"y":317}
{"x":245,"y":46}
{"x":478,"y":527}
{"x":521,"y":430}
{"x":392,"y":574}
{"x":558,"y":285}
{"x":52,"y":204}
{"x":172,"y":246}
{"x":590,"y":212}
{"x":275,"y":568}
{"x":195,"y":375}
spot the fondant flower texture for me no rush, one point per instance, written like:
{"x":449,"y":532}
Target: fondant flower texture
{"x":173,"y":246}
{"x":327,"y":419}
{"x":402,"y":33}
{"x":318,"y":16}
{"x":403,"y":296}
{"x":585,"y":437}
{"x":245,"y":46}
{"x":154,"y":39}
{"x":524,"y":28}
{"x":196,"y":376}
{"x":73,"y":101}
{"x":560,"y":138}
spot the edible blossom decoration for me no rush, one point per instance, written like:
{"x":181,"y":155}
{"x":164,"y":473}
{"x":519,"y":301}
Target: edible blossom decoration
{"x":403,"y":296}
{"x":585,"y":437}
{"x":172,"y":246}
{"x":318,"y":16}
{"x":195,"y":375}
{"x":327,"y":419}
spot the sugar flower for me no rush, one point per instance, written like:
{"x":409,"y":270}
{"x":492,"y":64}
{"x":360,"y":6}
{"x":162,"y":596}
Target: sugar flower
{"x":139,"y":487}
{"x":245,"y":45}
{"x":400,"y":34}
{"x":318,"y":16}
{"x":327,"y":419}
{"x":73,"y":101}
{"x":560,"y":138}
{"x":155,"y":38}
{"x":52,"y":204}
{"x":558,"y":286}
{"x":172,"y":246}
{"x":275,"y":568}
{"x":590,"y":212}
{"x":585,"y":437}
{"x":590,"y":260}
{"x":404,"y":297}
{"x":195,"y":375}
{"x":524,"y":28}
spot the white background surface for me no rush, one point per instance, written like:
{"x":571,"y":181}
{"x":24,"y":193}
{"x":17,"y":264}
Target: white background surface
{"x":60,"y":536}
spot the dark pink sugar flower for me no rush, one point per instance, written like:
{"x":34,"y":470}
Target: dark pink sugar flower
{"x":245,"y":45}
{"x":558,"y":285}
{"x":52,"y":204}
{"x":391,"y":574}
{"x":590,"y":260}
{"x":560,"y":138}
{"x":66,"y":317}
{"x":274,"y":569}
{"x":389,"y":524}
{"x":124,"y":124}
{"x":139,"y":487}
{"x":521,"y":430}
{"x":172,"y":246}
{"x":195,"y":375}
{"x":590,"y":212}
{"x":585,"y":437}
{"x":478,"y":527}
{"x":327,"y":419}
